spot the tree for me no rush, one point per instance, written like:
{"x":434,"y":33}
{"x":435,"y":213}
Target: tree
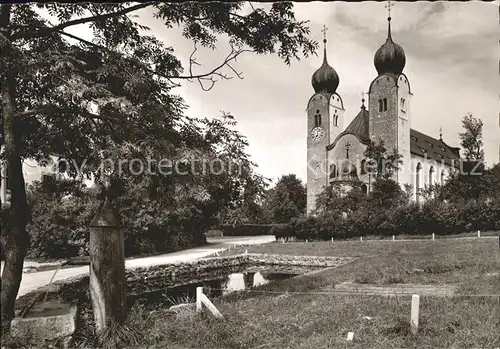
{"x":381,"y":163}
{"x":472,"y":138}
{"x":67,"y":97}
{"x":286,"y":200}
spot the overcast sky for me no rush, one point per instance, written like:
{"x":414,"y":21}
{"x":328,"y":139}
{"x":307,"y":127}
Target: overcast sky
{"x":451,"y":63}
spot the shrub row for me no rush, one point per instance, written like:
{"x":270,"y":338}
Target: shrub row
{"x":432,"y":217}
{"x":59,"y":228}
{"x":247,"y":229}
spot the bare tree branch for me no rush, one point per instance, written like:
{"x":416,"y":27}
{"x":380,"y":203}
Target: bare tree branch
{"x":207,"y":76}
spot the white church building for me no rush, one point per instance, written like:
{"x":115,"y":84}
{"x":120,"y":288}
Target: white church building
{"x":335,"y":151}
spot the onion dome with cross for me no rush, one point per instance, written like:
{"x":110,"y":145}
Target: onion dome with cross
{"x":325,"y":79}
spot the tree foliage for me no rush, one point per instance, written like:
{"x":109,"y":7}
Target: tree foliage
{"x":472,"y":138}
{"x":111,"y":96}
{"x":286,"y":200}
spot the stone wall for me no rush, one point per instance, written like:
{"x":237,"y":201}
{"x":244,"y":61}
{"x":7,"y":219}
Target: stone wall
{"x":158,"y":277}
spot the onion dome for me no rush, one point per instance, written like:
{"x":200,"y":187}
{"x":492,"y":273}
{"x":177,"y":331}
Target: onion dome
{"x":390,"y":57}
{"x":347,"y":173}
{"x":325,"y":79}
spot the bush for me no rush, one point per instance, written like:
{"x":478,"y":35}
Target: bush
{"x":246,"y":229}
{"x":60,"y":219}
{"x":432,"y":217}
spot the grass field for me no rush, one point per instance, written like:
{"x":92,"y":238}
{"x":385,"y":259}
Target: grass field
{"x":310,"y":319}
{"x":307,"y":317}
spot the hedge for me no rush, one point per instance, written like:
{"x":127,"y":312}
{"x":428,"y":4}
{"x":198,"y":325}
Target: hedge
{"x":438,"y":218}
{"x":247,"y":229}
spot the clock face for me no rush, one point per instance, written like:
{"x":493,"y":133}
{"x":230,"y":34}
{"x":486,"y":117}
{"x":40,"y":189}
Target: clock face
{"x":317,"y":134}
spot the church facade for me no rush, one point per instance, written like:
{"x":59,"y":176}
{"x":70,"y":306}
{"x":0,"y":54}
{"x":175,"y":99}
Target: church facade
{"x":335,"y":150}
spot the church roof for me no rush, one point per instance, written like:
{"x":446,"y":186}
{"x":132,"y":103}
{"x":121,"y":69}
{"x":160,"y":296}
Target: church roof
{"x":359,"y":125}
{"x":436,"y":149}
{"x":420,"y":143}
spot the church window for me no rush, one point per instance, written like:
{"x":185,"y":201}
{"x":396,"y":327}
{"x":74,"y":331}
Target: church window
{"x":417,"y":181}
{"x":363,"y":166}
{"x":380,"y":105}
{"x":333,"y":171}
{"x":431,"y":175}
{"x":385,"y":104}
{"x":317,"y":120}
{"x":364,"y":188}
{"x":403,"y":104}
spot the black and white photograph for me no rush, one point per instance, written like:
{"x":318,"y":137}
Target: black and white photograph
{"x":250,"y":175}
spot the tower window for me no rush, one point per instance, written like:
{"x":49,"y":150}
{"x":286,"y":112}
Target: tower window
{"x":385,"y":104}
{"x":380,"y":105}
{"x":403,"y":104}
{"x":317,"y":120}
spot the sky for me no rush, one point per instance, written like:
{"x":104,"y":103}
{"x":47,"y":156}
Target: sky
{"x":451,"y":62}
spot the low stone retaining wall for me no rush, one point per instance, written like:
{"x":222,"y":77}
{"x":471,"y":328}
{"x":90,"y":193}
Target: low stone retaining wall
{"x":141,"y":280}
{"x":148,"y":279}
{"x":303,"y":261}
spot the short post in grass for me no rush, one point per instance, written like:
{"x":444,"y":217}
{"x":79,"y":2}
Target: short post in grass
{"x":361,"y":238}
{"x":433,"y":236}
{"x":393,"y":238}
{"x":479,"y":233}
{"x":199,"y":292}
{"x":107,"y":268}
{"x":415,"y":304}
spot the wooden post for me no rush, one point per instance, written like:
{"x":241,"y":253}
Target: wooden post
{"x":415,"y":304}
{"x":107,"y":268}
{"x":202,"y":299}
{"x":332,"y":240}
{"x":361,"y":238}
{"x":393,"y":238}
{"x":479,"y":233}
{"x":432,"y":236}
{"x":199,"y":292}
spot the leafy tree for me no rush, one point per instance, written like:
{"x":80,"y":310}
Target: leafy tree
{"x":472,"y":138}
{"x":68,"y":97}
{"x":473,"y":181}
{"x":381,"y":163}
{"x":286,"y":200}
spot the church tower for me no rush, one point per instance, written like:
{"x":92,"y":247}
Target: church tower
{"x":389,"y":104}
{"x":324,"y":123}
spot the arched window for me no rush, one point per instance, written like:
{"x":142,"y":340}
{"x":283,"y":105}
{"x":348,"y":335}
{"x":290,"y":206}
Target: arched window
{"x":333,"y":171}
{"x":380,"y":105}
{"x":317,"y":120}
{"x":442,"y":176}
{"x":431,"y":175}
{"x":363,"y":167}
{"x":336,"y":120}
{"x":385,"y":104}
{"x":417,"y":181}
{"x":364,"y":188}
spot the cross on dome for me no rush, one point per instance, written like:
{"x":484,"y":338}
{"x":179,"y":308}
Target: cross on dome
{"x":324,"y":30}
{"x":388,"y":7}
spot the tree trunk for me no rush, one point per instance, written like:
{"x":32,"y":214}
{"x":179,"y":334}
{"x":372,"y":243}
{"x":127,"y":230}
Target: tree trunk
{"x":14,"y":238}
